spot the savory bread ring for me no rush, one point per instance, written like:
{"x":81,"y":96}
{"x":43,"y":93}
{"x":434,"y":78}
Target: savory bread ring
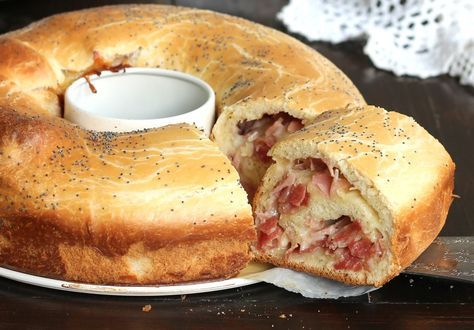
{"x":267,"y":85}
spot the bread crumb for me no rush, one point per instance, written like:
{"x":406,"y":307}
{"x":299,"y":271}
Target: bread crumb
{"x":146,"y":308}
{"x":282,"y":316}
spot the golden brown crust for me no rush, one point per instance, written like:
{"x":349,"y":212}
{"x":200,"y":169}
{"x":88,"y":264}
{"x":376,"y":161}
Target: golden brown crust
{"x":416,"y":229}
{"x":66,"y":189}
{"x":54,"y":253}
{"x":183,"y":262}
{"x":402,"y":172}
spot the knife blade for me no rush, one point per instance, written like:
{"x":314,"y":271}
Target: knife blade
{"x":446,"y":257}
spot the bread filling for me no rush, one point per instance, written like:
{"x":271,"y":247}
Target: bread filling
{"x":313,"y":209}
{"x":256,"y":138}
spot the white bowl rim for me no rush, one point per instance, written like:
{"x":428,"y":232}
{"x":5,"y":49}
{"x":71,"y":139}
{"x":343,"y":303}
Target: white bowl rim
{"x":150,"y":71}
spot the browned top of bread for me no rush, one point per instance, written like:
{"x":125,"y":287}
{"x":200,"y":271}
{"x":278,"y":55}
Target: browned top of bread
{"x":155,"y":186}
{"x":241,"y":60}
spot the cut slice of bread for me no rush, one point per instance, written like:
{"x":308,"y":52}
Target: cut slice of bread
{"x":356,"y":196}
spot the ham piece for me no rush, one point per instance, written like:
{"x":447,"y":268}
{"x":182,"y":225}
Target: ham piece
{"x":292,"y":197}
{"x":343,"y":238}
{"x":268,"y":233}
{"x":323,"y":180}
{"x":266,"y":131}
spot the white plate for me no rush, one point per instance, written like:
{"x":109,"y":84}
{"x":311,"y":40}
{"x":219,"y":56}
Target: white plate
{"x":243,"y":279}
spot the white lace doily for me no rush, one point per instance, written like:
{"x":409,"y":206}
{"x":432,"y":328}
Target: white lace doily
{"x":422,"y":38}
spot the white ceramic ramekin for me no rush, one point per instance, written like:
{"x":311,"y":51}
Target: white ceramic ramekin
{"x":139,"y":98}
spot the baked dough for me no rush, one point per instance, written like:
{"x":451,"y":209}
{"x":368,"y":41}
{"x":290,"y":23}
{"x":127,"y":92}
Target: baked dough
{"x":153,"y":206}
{"x":356,"y":197}
{"x":116,"y":221}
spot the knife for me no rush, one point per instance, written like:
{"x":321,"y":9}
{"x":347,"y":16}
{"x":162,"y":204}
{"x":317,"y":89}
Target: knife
{"x":447,"y":257}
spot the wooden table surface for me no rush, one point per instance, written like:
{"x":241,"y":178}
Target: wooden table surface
{"x":441,"y":105}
